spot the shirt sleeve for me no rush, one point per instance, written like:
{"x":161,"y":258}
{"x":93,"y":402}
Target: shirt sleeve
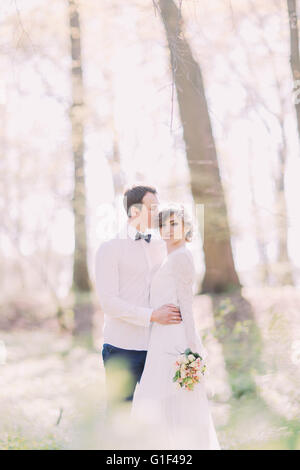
{"x":107,"y":287}
{"x":184,"y":275}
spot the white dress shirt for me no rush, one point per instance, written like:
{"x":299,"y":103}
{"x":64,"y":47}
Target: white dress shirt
{"x":124,"y":268}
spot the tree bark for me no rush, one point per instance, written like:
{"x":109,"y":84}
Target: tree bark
{"x":261,"y":245}
{"x":294,"y":54}
{"x":81,"y":285}
{"x":116,"y":168}
{"x":201,"y":154}
{"x":234,"y":319}
{"x":285,"y":274}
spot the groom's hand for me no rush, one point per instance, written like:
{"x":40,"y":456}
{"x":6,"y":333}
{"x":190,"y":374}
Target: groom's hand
{"x":166,"y":315}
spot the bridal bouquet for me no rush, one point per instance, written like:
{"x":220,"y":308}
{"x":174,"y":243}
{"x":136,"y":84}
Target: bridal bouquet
{"x":189,"y":369}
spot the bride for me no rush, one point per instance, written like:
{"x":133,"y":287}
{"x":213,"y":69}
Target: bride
{"x":180,"y":417}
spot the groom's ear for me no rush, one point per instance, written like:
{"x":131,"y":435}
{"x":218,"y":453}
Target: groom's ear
{"x":135,"y":210}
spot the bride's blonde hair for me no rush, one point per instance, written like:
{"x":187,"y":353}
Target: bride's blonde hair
{"x":181,"y":213}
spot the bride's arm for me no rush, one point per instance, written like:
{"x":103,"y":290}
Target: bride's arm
{"x":184,"y":275}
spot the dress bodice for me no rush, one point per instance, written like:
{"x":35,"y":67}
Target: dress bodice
{"x":163,"y":289}
{"x":173,"y":284}
{"x":178,"y":265}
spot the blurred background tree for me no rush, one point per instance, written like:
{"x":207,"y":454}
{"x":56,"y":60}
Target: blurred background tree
{"x":294,"y":53}
{"x":220,"y":273}
{"x":81,"y":287}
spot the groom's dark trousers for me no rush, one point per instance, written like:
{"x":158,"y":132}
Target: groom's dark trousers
{"x":123,"y":368}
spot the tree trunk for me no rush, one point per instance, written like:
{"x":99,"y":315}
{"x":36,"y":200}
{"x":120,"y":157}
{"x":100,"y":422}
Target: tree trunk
{"x":81,"y":282}
{"x":116,"y":168}
{"x":294,"y":55}
{"x":261,"y":245}
{"x":234,"y":318}
{"x":285,"y":274}
{"x":201,"y":154}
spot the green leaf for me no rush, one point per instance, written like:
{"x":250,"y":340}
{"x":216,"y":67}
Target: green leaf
{"x":176,"y":376}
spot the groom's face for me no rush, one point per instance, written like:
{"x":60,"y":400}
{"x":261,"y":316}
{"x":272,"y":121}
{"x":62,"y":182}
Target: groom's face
{"x":150,"y":210}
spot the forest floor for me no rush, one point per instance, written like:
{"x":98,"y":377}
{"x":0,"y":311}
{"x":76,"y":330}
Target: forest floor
{"x":52,"y":390}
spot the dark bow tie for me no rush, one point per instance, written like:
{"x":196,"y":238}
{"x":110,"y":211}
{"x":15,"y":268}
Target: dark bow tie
{"x":146,"y":237}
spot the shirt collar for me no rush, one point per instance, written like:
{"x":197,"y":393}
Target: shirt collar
{"x":129,"y":231}
{"x":132,"y":231}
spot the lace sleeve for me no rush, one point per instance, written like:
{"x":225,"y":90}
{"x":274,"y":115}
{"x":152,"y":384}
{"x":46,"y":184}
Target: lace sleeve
{"x":184,"y":275}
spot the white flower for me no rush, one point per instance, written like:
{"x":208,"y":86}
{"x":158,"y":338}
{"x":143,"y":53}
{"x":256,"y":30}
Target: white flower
{"x":182,"y":359}
{"x":182,"y":371}
{"x":179,"y":359}
{"x":191,"y":357}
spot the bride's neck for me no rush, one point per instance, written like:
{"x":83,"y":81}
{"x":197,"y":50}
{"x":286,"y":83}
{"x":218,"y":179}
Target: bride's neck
{"x":174,"y":245}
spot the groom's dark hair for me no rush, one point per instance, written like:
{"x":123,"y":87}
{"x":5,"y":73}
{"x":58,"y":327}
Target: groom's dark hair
{"x":135,"y":195}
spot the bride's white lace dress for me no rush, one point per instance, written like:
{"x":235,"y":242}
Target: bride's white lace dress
{"x":181,"y":418}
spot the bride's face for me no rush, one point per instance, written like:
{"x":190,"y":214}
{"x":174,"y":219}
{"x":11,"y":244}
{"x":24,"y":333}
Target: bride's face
{"x":172,"y":229}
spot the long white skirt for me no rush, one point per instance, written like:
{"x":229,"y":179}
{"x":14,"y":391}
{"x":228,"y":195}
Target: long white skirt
{"x":180,"y":418}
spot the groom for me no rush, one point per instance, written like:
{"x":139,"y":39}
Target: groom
{"x":124,"y":267}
